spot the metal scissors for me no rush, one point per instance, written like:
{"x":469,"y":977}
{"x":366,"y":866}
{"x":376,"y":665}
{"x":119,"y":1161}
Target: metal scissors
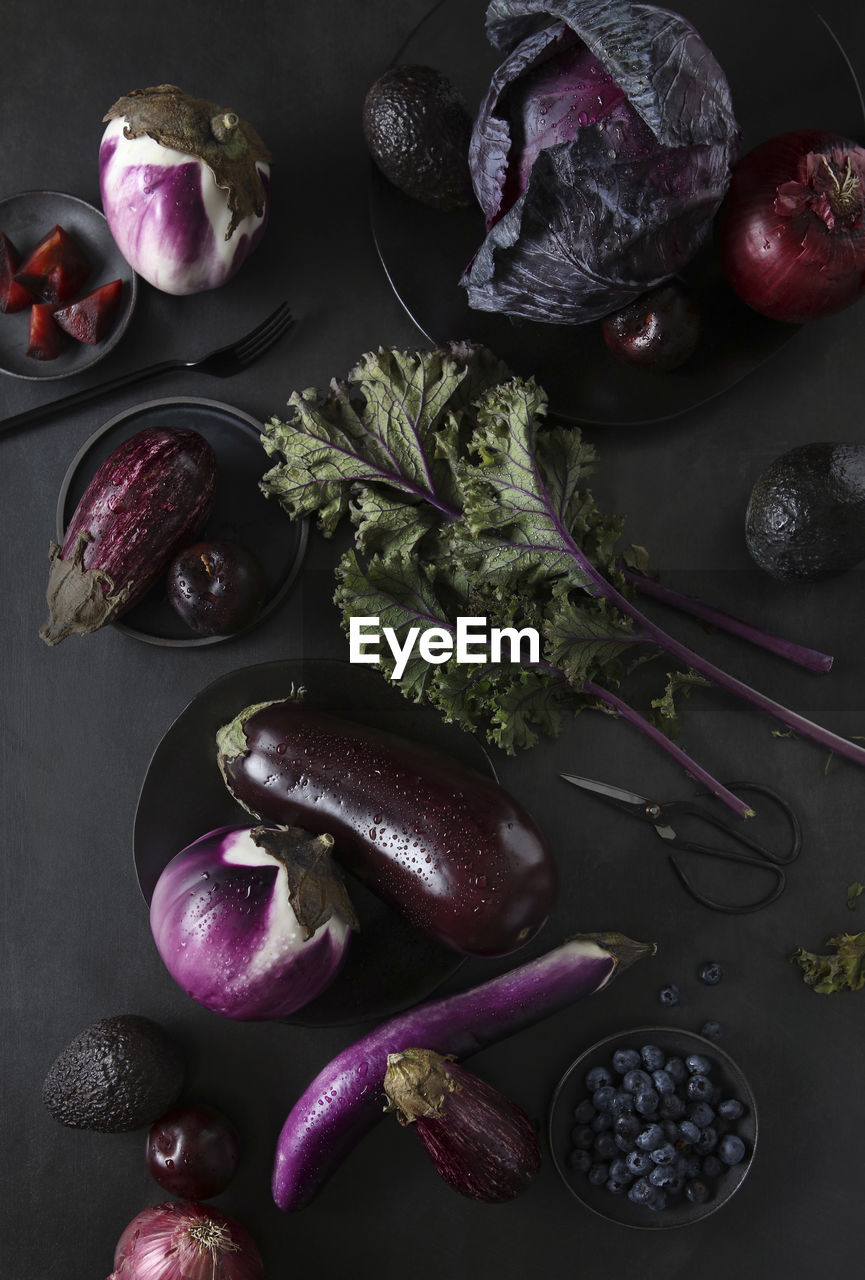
{"x":659,"y":817}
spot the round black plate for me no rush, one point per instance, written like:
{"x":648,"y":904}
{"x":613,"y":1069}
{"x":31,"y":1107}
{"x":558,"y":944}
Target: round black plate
{"x":783,"y":75}
{"x":389,"y":964}
{"x":25,"y":219}
{"x":571,"y":1090}
{"x":241,"y":512}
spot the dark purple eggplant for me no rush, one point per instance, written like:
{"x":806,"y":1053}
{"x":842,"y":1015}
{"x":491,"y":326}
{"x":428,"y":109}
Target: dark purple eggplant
{"x":150,"y":496}
{"x":480,"y":1142}
{"x":447,"y":847}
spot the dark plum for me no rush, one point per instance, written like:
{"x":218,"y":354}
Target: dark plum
{"x":192,"y":1151}
{"x":658,"y":331}
{"x":217,"y":587}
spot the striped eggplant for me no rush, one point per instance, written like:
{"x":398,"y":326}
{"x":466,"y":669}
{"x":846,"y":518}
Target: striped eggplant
{"x":149,"y":497}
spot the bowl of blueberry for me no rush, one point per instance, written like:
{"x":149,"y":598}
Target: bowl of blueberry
{"x":653,"y":1128}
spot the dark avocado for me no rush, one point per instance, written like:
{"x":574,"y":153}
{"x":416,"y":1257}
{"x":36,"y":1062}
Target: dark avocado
{"x":806,"y":514}
{"x":417,"y":128}
{"x":119,"y":1074}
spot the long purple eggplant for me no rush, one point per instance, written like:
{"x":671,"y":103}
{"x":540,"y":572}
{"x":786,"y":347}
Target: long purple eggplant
{"x":447,"y":847}
{"x":346,"y":1098}
{"x":150,"y":496}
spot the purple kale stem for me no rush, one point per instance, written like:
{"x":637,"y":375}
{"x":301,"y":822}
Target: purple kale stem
{"x":691,"y":768}
{"x":811,"y":659}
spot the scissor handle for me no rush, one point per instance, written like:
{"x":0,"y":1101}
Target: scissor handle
{"x":729,"y":908}
{"x":739,"y":834}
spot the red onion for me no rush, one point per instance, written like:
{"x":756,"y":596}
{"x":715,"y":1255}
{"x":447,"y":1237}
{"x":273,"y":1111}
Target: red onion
{"x":185,"y":1241}
{"x":791,"y":231}
{"x":481,"y":1143}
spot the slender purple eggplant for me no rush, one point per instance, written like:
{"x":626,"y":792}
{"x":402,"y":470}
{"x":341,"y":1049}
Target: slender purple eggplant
{"x":149,"y":497}
{"x":447,"y":847}
{"x":345,"y":1099}
{"x":480,"y":1142}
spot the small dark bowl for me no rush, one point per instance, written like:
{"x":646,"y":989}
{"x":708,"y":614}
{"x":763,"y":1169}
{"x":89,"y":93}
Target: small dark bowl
{"x":571,"y":1090}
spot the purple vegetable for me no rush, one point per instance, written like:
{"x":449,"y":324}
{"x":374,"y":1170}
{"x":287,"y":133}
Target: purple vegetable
{"x":185,"y":188}
{"x":599,"y":156}
{"x":344,"y":1100}
{"x":445,"y":846}
{"x":252,"y":923}
{"x":480,"y":1142}
{"x":149,"y":497}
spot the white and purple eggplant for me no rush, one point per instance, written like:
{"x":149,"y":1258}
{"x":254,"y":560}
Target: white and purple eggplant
{"x":480,"y":1141}
{"x":185,"y":188}
{"x":150,"y":496}
{"x":252,"y":923}
{"x":345,"y":1099}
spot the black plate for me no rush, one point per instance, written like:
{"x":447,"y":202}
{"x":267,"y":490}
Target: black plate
{"x":25,"y":219}
{"x":783,"y":74}
{"x":571,"y":1090}
{"x":241,"y":512}
{"x":389,"y":964}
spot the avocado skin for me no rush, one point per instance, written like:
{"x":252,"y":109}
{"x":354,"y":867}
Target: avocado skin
{"x":119,"y":1074}
{"x":806,"y":515}
{"x":417,"y":128}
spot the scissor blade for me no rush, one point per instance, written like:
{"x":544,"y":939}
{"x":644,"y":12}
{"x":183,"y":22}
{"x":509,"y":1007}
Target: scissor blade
{"x":605,"y":789}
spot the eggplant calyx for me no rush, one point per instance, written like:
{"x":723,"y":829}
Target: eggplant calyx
{"x":229,"y":146}
{"x":79,"y":600}
{"x":316,"y":889}
{"x":416,"y":1084}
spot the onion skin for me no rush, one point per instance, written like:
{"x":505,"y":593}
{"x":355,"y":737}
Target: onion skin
{"x":187,"y":1241}
{"x":480,"y":1142}
{"x":787,"y":247}
{"x":344,"y":1101}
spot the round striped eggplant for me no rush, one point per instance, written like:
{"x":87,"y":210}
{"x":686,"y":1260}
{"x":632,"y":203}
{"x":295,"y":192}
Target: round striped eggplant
{"x":150,"y":496}
{"x":449,"y":848}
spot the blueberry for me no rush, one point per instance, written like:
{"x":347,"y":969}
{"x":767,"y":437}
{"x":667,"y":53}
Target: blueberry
{"x":671,"y":1181}
{"x":583,"y":1137}
{"x":646,"y":1103}
{"x":584,"y":1112}
{"x":657,"y":1202}
{"x":671,"y":1130}
{"x":605,"y":1147}
{"x":617,"y":1186}
{"x":636,"y":1081}
{"x":625,"y":1060}
{"x":652,"y":1136}
{"x":671,"y":1106}
{"x":598,"y":1174}
{"x":710,"y":972}
{"x":701,"y":1113}
{"x":711,"y":1167}
{"x":653,"y":1057}
{"x":669,"y":995}
{"x":711,"y":1031}
{"x":622,"y":1104}
{"x":731,"y":1149}
{"x":676,"y":1068}
{"x":639,"y":1162}
{"x":688,"y":1131}
{"x":690,"y":1166}
{"x":699,"y":1088}
{"x":665,"y":1154}
{"x":731,"y":1109}
{"x":707,"y":1141}
{"x":640,"y":1192}
{"x":597,"y":1078}
{"x":580,"y":1161}
{"x":663,"y":1081}
{"x":697,"y":1191}
{"x":603,"y":1120}
{"x":628,"y":1127}
{"x":698,"y":1064}
{"x":602,"y":1097}
{"x":619,"y":1170}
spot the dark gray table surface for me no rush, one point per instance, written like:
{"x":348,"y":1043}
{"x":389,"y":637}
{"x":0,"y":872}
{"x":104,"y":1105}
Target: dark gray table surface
{"x":80,"y":724}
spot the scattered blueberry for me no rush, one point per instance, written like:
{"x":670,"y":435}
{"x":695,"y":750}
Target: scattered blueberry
{"x":597,"y":1078}
{"x":669,"y":995}
{"x":618,"y":1186}
{"x":637,"y":1081}
{"x":711,"y":1030}
{"x":731,"y":1149}
{"x":688,"y":1131}
{"x":699,"y":1088}
{"x":663,"y":1081}
{"x":628,"y":1126}
{"x":701,"y":1113}
{"x":639,"y":1162}
{"x":698,"y":1064}
{"x":653,"y":1057}
{"x":646,"y":1103}
{"x":731,"y":1109}
{"x":640,"y":1192}
{"x":625,"y":1060}
{"x":665,"y":1154}
{"x":650,"y":1137}
{"x":671,"y":1181}
{"x":619,"y":1171}
{"x":622,"y":1104}
{"x":710,"y":972}
{"x":707,"y":1141}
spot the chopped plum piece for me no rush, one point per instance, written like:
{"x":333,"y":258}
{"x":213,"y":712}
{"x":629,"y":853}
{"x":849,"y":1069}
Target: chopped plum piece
{"x":13,"y":296}
{"x":89,"y":319}
{"x":46,"y":339}
{"x":56,"y":269}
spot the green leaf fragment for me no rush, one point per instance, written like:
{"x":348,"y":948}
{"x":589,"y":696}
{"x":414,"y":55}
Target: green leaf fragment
{"x":843,"y":971}
{"x":854,"y":893}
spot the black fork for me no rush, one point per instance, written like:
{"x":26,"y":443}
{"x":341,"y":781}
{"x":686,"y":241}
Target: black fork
{"x":223,"y":363}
